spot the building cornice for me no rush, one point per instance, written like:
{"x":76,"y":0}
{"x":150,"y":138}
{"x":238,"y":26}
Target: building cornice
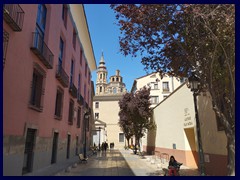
{"x":107,"y":97}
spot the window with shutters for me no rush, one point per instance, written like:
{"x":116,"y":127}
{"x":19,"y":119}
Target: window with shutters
{"x":64,"y":14}
{"x":79,"y":117}
{"x":71,"y":112}
{"x":37,"y":88}
{"x":121,"y":137}
{"x":59,"y":103}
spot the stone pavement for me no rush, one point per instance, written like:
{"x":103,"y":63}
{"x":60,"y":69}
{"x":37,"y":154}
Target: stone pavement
{"x":122,"y":163}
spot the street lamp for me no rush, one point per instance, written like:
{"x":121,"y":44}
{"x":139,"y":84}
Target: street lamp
{"x":86,"y":119}
{"x":194,"y":86}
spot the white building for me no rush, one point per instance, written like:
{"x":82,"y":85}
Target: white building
{"x":160,"y":87}
{"x":106,"y":108}
{"x":176,"y":132}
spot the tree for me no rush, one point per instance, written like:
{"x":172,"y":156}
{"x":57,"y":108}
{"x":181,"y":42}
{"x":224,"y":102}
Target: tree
{"x":124,"y":122}
{"x":178,"y":39}
{"x":135,"y":113}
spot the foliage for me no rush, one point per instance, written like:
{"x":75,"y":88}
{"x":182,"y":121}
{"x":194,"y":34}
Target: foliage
{"x":135,"y":113}
{"x":178,"y":39}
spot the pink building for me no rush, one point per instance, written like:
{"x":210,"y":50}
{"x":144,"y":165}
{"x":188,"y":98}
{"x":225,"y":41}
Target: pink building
{"x":47,"y":89}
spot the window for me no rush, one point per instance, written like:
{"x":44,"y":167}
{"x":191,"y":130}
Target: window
{"x":60,"y":58}
{"x":71,"y":112}
{"x":114,"y":90}
{"x":96,"y":105}
{"x":165,"y":86}
{"x":121,"y":137}
{"x":74,"y":38}
{"x":96,"y":115}
{"x":155,"y":86}
{"x":85,"y":91}
{"x":71,"y":72}
{"x":89,"y":77}
{"x":78,"y":117}
{"x":58,"y":103}
{"x":64,"y":14}
{"x":154,"y":100}
{"x":86,"y":69}
{"x":41,"y":19}
{"x":81,"y":56}
{"x":37,"y":88}
{"x":100,"y":89}
{"x":79,"y":84}
{"x":100,"y":76}
{"x":164,"y":96}
{"x":88,"y":96}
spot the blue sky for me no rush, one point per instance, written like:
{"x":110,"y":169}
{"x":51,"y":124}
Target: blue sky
{"x":104,"y":35}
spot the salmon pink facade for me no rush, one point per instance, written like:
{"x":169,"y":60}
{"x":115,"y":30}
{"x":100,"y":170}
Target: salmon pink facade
{"x":47,"y":85}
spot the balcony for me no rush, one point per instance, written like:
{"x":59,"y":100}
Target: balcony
{"x":40,"y":48}
{"x":62,"y":76}
{"x":13,"y":15}
{"x":73,"y":90}
{"x":5,"y":45}
{"x":80,"y":99}
{"x":86,"y":105}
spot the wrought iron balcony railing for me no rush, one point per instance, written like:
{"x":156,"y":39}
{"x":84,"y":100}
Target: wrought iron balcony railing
{"x":14,"y":16}
{"x":80,"y":99}
{"x":40,"y":48}
{"x":73,"y":90}
{"x":86,"y":105}
{"x":5,"y":45}
{"x":62,"y":76}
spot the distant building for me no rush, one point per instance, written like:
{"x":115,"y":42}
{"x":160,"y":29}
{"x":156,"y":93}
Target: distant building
{"x":106,"y":108}
{"x":48,"y":60}
{"x":114,"y":87}
{"x":160,"y":87}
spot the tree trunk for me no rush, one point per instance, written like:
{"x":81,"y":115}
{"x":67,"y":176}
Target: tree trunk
{"x":230,"y":133}
{"x":136,"y":143}
{"x":231,"y":154}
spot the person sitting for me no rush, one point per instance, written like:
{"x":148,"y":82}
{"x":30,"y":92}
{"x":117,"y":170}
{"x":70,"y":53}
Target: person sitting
{"x":173,"y":167}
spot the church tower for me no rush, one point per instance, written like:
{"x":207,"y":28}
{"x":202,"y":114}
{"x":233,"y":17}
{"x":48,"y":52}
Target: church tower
{"x":101,"y":77}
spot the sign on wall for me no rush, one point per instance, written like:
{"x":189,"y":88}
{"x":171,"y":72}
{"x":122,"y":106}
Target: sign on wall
{"x":187,"y":119}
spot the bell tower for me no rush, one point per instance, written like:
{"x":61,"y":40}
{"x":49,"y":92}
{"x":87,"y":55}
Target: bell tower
{"x":101,"y":82}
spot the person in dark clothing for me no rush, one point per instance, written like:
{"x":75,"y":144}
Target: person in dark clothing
{"x":173,"y":167}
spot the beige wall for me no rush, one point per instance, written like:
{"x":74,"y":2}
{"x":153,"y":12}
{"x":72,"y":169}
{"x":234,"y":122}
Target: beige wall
{"x":214,"y":141}
{"x":175,"y":121}
{"x":108,"y":112}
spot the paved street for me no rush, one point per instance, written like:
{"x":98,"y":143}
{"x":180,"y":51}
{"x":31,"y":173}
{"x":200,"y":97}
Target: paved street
{"x":121,"y":163}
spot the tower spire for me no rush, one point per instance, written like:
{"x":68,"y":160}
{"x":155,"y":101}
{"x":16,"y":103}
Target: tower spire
{"x":102,"y":59}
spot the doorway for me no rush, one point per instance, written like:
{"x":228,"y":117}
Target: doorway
{"x":29,"y":151}
{"x":54,"y":148}
{"x":68,"y":145}
{"x":76,"y":146}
